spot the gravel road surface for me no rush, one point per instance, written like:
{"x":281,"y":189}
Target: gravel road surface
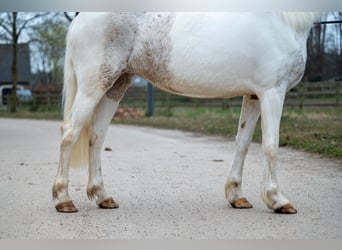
{"x":169,"y":184}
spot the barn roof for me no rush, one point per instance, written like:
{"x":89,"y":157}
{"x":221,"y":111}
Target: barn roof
{"x":23,"y":63}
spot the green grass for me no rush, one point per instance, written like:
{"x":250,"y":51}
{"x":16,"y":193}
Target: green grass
{"x":313,"y":131}
{"x":211,"y":121}
{"x":34,"y":112}
{"x":317,"y":131}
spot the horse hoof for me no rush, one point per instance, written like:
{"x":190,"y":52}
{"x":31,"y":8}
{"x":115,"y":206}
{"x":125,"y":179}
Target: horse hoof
{"x":108,"y":204}
{"x":66,"y":207}
{"x":241,"y":203}
{"x":286,"y":209}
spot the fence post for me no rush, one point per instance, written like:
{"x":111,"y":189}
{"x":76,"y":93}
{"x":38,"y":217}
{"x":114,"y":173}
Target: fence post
{"x":150,"y":103}
{"x":8,"y":102}
{"x":48,"y":99}
{"x":301,"y":95}
{"x":337,"y":93}
{"x":225,"y":103}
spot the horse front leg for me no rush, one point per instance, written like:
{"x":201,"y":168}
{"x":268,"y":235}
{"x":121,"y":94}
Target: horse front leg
{"x":271,"y":109}
{"x":250,"y":113}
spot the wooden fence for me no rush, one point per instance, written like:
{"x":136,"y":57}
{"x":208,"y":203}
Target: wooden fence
{"x":318,"y":94}
{"x":315,"y":94}
{"x":306,"y":94}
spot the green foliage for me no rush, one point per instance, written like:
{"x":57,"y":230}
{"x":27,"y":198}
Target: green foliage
{"x":49,"y":38}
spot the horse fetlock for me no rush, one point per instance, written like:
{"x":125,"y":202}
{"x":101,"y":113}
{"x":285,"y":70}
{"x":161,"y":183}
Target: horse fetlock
{"x":58,"y":188}
{"x":97,"y":192}
{"x":232,"y":184}
{"x":93,"y":191}
{"x":232,"y":189}
{"x":273,"y":198}
{"x":234,"y":195}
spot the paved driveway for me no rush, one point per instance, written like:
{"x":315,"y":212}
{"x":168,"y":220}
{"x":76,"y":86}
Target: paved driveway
{"x":169,"y":184}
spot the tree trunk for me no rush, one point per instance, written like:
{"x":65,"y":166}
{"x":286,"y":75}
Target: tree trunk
{"x":339,"y":51}
{"x":13,"y":103}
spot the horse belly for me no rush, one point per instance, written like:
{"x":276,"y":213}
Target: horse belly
{"x":214,"y":54}
{"x":228,"y":54}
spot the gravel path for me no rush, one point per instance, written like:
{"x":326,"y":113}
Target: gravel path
{"x":169,"y":184}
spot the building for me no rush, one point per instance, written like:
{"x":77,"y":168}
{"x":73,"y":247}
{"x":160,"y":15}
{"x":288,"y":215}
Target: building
{"x":23,"y":69}
{"x":23,"y":64}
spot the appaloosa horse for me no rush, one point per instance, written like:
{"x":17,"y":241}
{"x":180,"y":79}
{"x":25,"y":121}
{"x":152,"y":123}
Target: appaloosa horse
{"x":259,"y":56}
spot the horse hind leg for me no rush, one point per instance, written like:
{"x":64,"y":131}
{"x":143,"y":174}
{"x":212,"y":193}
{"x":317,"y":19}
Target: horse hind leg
{"x":249,"y":116}
{"x":79,"y":117}
{"x":101,"y":120}
{"x":82,"y":110}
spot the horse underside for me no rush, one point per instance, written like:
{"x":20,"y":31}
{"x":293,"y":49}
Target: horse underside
{"x":201,"y":55}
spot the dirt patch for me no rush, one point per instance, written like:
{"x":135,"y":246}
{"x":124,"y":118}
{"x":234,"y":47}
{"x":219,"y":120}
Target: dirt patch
{"x":123,"y":113}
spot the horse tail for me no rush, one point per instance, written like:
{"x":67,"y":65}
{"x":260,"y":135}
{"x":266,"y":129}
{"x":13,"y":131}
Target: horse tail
{"x":70,"y":85}
{"x":80,"y":150}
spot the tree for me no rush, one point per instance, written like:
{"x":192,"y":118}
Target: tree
{"x":338,"y":46}
{"x":324,"y":49}
{"x":316,"y":50}
{"x":49,"y":39}
{"x":12,"y":25}
{"x":69,"y":17}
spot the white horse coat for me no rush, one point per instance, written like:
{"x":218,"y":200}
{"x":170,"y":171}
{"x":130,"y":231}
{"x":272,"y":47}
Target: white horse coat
{"x":259,"y":56}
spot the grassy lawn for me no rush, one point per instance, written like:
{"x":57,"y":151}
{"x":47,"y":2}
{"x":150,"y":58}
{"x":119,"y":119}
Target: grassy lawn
{"x":313,"y":131}
{"x":317,"y":131}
